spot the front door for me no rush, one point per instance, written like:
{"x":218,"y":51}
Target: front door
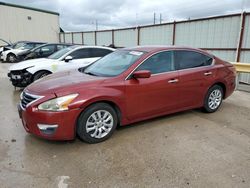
{"x":146,"y":97}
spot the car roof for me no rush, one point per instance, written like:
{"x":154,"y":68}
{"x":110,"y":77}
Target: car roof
{"x":156,"y":48}
{"x":46,"y":44}
{"x":103,"y":47}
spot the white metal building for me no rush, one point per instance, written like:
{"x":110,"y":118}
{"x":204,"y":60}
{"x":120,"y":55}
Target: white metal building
{"x":20,"y":23}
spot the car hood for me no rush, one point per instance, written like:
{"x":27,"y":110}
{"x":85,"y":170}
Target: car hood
{"x":30,"y":63}
{"x":16,"y":51}
{"x":63,"y":83}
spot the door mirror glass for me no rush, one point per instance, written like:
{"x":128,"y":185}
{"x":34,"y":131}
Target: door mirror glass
{"x":142,"y":74}
{"x":68,"y":58}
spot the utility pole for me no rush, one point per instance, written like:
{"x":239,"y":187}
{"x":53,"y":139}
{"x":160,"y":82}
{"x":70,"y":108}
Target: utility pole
{"x":96,"y":25}
{"x":154,"y":18}
{"x":136,"y":20}
{"x":160,"y":18}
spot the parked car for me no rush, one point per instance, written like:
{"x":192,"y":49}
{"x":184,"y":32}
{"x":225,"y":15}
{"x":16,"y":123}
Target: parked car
{"x":24,"y":73}
{"x":124,"y":87}
{"x":42,"y":51}
{"x":11,"y":55}
{"x":9,"y":46}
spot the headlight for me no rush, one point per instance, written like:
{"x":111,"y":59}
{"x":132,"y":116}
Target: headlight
{"x":58,"y":104}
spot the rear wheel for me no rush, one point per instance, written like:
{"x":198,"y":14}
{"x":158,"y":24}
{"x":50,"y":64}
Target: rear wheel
{"x":11,"y":58}
{"x":213,"y":99}
{"x":97,"y":123}
{"x":40,"y":74}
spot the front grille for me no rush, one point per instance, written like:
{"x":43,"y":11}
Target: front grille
{"x":17,"y":72}
{"x":27,"y":99}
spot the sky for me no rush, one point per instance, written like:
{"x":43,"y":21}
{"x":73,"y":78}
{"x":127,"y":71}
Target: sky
{"x":82,"y":15}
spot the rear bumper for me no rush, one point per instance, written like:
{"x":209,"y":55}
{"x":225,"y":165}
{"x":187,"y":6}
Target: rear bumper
{"x":49,"y":125}
{"x":231,"y":85}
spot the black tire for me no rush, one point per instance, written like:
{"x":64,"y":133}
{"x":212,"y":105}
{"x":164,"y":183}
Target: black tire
{"x":11,"y":58}
{"x":40,"y":74}
{"x":85,"y":118}
{"x":211,"y":104}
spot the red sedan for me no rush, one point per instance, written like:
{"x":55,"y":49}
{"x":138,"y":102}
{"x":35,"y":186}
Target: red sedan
{"x":126,"y":86}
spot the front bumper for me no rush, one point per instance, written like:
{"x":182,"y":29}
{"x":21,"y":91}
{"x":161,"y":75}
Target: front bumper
{"x":20,"y":78}
{"x":49,"y":125}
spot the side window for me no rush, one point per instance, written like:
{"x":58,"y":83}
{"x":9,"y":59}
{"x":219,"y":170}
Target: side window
{"x":47,"y":50}
{"x":36,"y":45}
{"x":29,"y":46}
{"x":99,"y":52}
{"x":60,"y":46}
{"x":191,"y":59}
{"x":158,"y":63}
{"x":81,"y":53}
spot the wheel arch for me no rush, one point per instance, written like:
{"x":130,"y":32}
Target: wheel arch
{"x":43,"y":70}
{"x":114,"y":105}
{"x":222,"y":85}
{"x":8,"y":54}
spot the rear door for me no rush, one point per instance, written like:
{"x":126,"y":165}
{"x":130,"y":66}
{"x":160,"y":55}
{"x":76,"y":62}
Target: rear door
{"x":195,"y":76}
{"x":146,"y":97}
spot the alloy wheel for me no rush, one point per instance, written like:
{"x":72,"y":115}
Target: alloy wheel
{"x":214,"y":99}
{"x":99,"y":124}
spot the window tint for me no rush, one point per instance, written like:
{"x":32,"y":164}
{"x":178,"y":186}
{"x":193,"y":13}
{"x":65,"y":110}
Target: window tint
{"x":28,"y":46}
{"x":36,"y":45}
{"x":191,"y":59}
{"x":60,"y":46}
{"x":61,"y":52}
{"x":113,"y":64}
{"x":99,"y":52}
{"x":47,"y":50}
{"x":81,"y":53}
{"x":158,"y":63}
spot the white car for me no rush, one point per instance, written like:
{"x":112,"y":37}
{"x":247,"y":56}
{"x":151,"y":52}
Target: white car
{"x":11,"y":54}
{"x":24,"y":73}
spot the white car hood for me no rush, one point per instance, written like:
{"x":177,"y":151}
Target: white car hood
{"x":16,"y":51}
{"x":33,"y":62}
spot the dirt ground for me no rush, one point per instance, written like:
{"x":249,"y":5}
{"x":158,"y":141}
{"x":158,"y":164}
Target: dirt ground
{"x":188,"y":149}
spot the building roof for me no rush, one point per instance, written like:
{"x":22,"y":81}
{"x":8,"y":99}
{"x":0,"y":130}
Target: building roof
{"x":29,"y":8}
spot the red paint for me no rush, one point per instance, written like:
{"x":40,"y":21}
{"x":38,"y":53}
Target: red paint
{"x":136,"y":98}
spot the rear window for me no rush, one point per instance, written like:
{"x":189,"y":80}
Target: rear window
{"x":191,"y":59}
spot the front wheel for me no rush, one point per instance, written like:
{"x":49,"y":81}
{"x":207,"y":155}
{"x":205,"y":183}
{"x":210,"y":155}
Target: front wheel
{"x":97,"y":123}
{"x":11,"y":58}
{"x":213,"y":99}
{"x":40,"y":74}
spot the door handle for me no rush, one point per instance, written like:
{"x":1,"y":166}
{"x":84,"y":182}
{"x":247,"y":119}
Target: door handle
{"x":173,"y":81}
{"x":208,"y":73}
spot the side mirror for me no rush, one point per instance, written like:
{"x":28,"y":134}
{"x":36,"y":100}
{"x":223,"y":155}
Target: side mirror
{"x":68,"y":58}
{"x":142,"y":74}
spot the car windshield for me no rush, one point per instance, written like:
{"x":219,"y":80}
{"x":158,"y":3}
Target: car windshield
{"x":18,"y":45}
{"x":114,"y":63}
{"x":27,"y":46}
{"x":61,"y":52}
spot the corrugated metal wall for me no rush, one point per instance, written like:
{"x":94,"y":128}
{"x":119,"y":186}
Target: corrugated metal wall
{"x":219,"y":35}
{"x":209,"y":33}
{"x":126,"y":37}
{"x":245,"y":55}
{"x":19,"y":24}
{"x":77,"y":38}
{"x":104,"y":38}
{"x":89,"y":38}
{"x":156,"y":35}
